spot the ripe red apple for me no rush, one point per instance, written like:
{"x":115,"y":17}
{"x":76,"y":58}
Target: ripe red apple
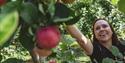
{"x":2,"y":2}
{"x":48,"y":37}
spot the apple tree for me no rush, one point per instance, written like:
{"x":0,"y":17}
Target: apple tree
{"x":41,"y":23}
{"x":36,"y":22}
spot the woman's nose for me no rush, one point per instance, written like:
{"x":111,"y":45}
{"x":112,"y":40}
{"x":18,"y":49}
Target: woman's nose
{"x":101,"y":28}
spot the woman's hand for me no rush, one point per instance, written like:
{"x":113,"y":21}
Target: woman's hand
{"x":42,"y":52}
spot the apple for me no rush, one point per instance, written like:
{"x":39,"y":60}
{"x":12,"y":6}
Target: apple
{"x":2,"y":2}
{"x":47,"y":37}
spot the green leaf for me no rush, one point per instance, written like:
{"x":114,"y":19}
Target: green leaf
{"x":10,"y":6}
{"x":120,"y":55}
{"x":114,"y":2}
{"x":86,"y":1}
{"x":121,"y":5}
{"x":25,"y":37}
{"x":51,"y":8}
{"x":28,"y":12}
{"x":74,"y":20}
{"x":62,"y":11}
{"x":119,"y":61}
{"x":0,"y":57}
{"x":115,"y":50}
{"x":8,"y":24}
{"x":108,"y":60}
{"x":41,"y":8}
{"x":56,"y":20}
{"x":13,"y":60}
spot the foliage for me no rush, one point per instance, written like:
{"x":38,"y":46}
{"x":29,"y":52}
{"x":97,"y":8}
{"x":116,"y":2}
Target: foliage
{"x":105,"y":10}
{"x":25,"y":16}
{"x":121,"y":5}
{"x":117,"y":54}
{"x":66,"y":51}
{"x":14,"y":53}
{"x":6,"y":21}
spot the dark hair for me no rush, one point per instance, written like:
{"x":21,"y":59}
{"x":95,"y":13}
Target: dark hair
{"x":114,"y":36}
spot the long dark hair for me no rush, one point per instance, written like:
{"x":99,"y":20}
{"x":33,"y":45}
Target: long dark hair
{"x":115,"y":40}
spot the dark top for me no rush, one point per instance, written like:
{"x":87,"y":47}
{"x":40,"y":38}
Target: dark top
{"x":100,"y":52}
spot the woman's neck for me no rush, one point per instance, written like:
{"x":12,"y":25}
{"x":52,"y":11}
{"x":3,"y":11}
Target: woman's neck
{"x":107,"y":44}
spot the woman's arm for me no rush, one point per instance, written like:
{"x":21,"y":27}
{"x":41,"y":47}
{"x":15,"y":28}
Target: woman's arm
{"x":81,"y":39}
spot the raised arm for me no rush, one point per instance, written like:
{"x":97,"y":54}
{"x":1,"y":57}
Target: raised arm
{"x":81,"y":39}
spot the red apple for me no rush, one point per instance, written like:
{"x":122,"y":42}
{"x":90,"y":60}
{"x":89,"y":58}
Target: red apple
{"x":2,"y":2}
{"x":48,"y":37}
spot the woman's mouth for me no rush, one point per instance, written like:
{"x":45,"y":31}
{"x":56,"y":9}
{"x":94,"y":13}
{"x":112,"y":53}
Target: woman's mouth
{"x":103,"y":34}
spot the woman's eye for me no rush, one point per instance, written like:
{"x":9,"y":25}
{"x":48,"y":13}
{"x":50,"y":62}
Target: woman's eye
{"x":104,"y":26}
{"x":97,"y":28}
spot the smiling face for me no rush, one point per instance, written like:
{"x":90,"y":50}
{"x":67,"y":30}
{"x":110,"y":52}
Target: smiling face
{"x":102,"y":31}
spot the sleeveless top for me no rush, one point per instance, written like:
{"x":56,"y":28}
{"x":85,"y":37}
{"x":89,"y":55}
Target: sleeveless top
{"x":100,"y":52}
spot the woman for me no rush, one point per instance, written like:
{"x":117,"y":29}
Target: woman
{"x":104,"y":38}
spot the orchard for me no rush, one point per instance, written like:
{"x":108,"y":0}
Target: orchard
{"x":34,"y":31}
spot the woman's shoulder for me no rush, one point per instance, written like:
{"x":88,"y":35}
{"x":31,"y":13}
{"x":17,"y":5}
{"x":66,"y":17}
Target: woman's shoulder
{"x":121,"y":48}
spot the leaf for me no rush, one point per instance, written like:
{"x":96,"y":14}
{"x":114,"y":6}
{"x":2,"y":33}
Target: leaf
{"x":63,"y":14}
{"x":74,"y":20}
{"x":8,"y":24}
{"x":86,"y":1}
{"x":10,"y":6}
{"x":51,"y":8}
{"x":120,"y":55}
{"x":115,"y":50}
{"x":0,"y":57}
{"x":56,"y":20}
{"x":119,"y":61}
{"x":40,"y":6}
{"x":114,"y":2}
{"x":13,"y":60}
{"x":108,"y":60}
{"x":121,"y":5}
{"x":62,"y":11}
{"x":28,"y":12}
{"x":26,"y":39}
